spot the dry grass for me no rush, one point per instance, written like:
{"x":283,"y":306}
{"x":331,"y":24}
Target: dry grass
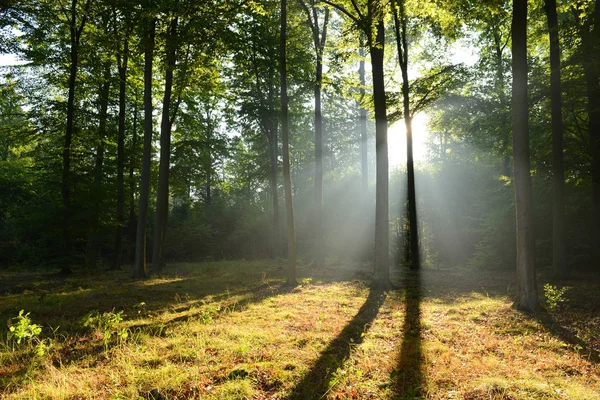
{"x":230,"y":330}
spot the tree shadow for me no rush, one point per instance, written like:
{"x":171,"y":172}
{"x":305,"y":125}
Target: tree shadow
{"x":563,"y":333}
{"x":315,"y":383}
{"x":408,"y":376}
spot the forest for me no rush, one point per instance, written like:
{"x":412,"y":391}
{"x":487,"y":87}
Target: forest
{"x":300,"y":199}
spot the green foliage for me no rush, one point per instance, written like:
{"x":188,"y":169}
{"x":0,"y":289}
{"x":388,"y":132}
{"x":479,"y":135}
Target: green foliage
{"x":555,"y":295}
{"x":23,"y":329}
{"x":107,"y":324}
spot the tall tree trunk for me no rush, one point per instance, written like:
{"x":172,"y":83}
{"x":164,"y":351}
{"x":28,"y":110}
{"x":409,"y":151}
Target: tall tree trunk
{"x":65,"y":187}
{"x":402,"y":44}
{"x":140,"y":247}
{"x":319,"y":41}
{"x":287,"y":180}
{"x":121,"y":154}
{"x":500,"y":88}
{"x":362,"y":115}
{"x":527,"y":296}
{"x":275,"y":233}
{"x":382,"y":239}
{"x":208,"y":162}
{"x":558,"y":168}
{"x":162,"y":196}
{"x":96,"y":193}
{"x":590,"y":37}
{"x":131,"y":223}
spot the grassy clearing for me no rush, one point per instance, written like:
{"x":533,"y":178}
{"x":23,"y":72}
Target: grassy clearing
{"x":230,"y":330}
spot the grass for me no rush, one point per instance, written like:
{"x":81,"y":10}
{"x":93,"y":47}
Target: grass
{"x":231,"y":330}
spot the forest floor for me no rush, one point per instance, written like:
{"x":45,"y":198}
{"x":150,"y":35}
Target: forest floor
{"x":231,"y":330}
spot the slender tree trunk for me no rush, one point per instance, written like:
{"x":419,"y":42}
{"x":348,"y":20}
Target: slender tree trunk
{"x":558,"y":168}
{"x":162,"y":197}
{"x":121,"y":155}
{"x":96,"y":193}
{"x":362,"y":112}
{"x":131,"y":224}
{"x":140,"y":248}
{"x":319,"y":245}
{"x":65,"y":187}
{"x":319,"y":41}
{"x":527,"y":296}
{"x":208,"y":164}
{"x":287,"y":180}
{"x":402,"y":44}
{"x":382,"y":245}
{"x":275,"y":233}
{"x":500,"y":88}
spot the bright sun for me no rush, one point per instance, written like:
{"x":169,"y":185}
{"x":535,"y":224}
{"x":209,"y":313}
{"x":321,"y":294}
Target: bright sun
{"x":397,"y":141}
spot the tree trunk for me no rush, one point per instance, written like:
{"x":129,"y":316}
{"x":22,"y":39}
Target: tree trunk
{"x":362,"y":112}
{"x":287,"y":180}
{"x":140,"y":248}
{"x":590,"y":37}
{"x":121,"y":155}
{"x":131,"y":224}
{"x":558,"y":168}
{"x":96,"y":193}
{"x":319,"y":41}
{"x":162,"y":196}
{"x":66,"y":152}
{"x":402,"y":45}
{"x":275,"y":233}
{"x":500,"y":88}
{"x":527,"y":296}
{"x":382,"y":268}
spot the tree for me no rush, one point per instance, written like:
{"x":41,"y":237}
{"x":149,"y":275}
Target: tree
{"x":319,"y":41}
{"x":77,"y":23}
{"x":122,"y":55}
{"x":362,"y":115}
{"x":588,"y":22}
{"x":255,"y":83}
{"x":287,"y":180}
{"x":96,"y":192}
{"x":372,"y":26}
{"x":527,"y":296}
{"x":400,"y":22}
{"x":140,"y":247}
{"x":162,"y":195}
{"x":558,"y":169}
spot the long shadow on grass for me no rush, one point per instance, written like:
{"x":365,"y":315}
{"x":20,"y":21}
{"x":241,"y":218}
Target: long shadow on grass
{"x":567,"y":336}
{"x":315,"y":383}
{"x":408,"y":375}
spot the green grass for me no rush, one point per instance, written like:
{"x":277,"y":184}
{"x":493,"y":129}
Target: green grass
{"x":231,"y":330}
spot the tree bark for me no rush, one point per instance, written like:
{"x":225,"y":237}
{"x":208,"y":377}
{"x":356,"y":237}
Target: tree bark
{"x":287,"y":180}
{"x":131,"y":224}
{"x":121,"y":154}
{"x":558,"y":170}
{"x":96,"y":192}
{"x":362,"y":115}
{"x":500,"y":88}
{"x":590,"y":37}
{"x":319,"y":41}
{"x":376,"y":44}
{"x":402,"y":45}
{"x":275,"y":232}
{"x":75,"y":31}
{"x":140,"y":248}
{"x":527,"y":296}
{"x":162,"y":196}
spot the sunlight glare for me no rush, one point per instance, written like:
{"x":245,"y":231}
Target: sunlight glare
{"x":397,"y":141}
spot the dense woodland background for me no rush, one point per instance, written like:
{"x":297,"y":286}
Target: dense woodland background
{"x":74,"y":112}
